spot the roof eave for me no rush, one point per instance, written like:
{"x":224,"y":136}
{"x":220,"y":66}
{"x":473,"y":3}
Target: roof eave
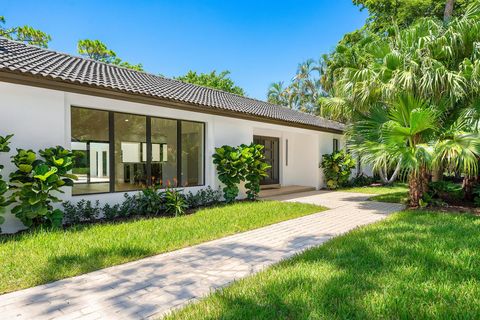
{"x":49,"y":82}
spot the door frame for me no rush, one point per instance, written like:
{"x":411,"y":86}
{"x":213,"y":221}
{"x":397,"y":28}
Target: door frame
{"x":276,"y":159}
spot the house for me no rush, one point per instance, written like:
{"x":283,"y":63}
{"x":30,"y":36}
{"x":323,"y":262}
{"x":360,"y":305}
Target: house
{"x":131,"y":129}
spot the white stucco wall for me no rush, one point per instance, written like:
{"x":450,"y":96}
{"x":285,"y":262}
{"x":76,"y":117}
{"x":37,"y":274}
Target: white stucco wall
{"x":40,"y":118}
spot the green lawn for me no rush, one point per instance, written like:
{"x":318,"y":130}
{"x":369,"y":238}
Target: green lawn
{"x":38,"y":257}
{"x":413,"y":265}
{"x":396,"y":193}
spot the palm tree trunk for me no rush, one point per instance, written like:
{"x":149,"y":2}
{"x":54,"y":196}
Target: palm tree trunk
{"x":415,"y":190}
{"x":467,"y":187}
{"x":447,"y":15}
{"x":418,"y":186}
{"x":395,"y":173}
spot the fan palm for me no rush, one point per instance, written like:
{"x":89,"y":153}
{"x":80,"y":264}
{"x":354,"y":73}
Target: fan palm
{"x":431,"y":71}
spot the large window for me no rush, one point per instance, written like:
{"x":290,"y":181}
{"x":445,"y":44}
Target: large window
{"x":164,"y":152}
{"x":192,"y":153}
{"x":119,"y":152}
{"x":90,"y":144}
{"x":130,"y":152}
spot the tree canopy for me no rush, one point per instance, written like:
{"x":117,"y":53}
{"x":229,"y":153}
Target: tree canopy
{"x":415,"y":102}
{"x":25,"y":34}
{"x":97,"y":50}
{"x":383,"y":14}
{"x":220,"y":81}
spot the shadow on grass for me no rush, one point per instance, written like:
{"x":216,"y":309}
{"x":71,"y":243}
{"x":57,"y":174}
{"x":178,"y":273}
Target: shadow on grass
{"x":60,"y":266}
{"x":394,"y":197}
{"x":414,"y":265}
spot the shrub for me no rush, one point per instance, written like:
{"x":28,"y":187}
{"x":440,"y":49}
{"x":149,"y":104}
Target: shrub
{"x":149,"y":201}
{"x":4,"y":142}
{"x":231,"y":169}
{"x":445,"y":190}
{"x":111,"y":212}
{"x":337,"y":168}
{"x":256,"y":169}
{"x":175,"y":202}
{"x":237,"y":164}
{"x":361,"y":180}
{"x":36,"y":180}
{"x":476,"y":194}
{"x":82,"y":211}
{"x":204,"y":197}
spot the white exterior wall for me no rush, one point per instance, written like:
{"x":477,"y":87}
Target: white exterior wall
{"x":40,"y":118}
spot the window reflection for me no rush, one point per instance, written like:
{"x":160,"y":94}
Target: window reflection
{"x":90,"y":144}
{"x":192,"y":153}
{"x":164,"y":152}
{"x":130,"y":153}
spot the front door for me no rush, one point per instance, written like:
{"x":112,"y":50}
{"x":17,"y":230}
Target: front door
{"x":271,"y":152}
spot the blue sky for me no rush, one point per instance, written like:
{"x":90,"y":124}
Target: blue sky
{"x":258,"y":41}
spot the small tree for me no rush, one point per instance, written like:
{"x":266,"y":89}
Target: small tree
{"x":231,"y":169}
{"x":337,"y":168}
{"x":35,"y":182}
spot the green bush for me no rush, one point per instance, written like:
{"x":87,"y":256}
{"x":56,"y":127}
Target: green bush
{"x":256,"y":169}
{"x":337,"y":168}
{"x":237,"y":164}
{"x":231,"y":169}
{"x":82,"y":211}
{"x":175,"y":202}
{"x":204,"y":197}
{"x":35,"y":183}
{"x":149,"y":201}
{"x":4,"y":142}
{"x":476,"y":194}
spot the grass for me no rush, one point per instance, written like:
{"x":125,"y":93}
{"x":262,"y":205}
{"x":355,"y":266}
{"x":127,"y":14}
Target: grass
{"x":396,"y":193}
{"x":413,"y":265}
{"x":39,"y":257}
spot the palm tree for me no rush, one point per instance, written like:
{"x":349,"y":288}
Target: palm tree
{"x":277,"y":94}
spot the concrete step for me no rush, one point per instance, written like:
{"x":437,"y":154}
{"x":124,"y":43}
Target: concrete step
{"x":284,"y":190}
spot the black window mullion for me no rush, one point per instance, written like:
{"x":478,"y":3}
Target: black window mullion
{"x":149,"y":151}
{"x":111,"y":133}
{"x":179,"y":153}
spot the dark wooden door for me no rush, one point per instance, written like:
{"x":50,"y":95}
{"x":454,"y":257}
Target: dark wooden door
{"x":271,"y":152}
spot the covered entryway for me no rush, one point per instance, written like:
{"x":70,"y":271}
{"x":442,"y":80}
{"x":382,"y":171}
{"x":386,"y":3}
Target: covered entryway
{"x":272,"y":157}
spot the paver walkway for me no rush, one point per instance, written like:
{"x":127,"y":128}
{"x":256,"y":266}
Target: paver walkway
{"x":150,"y":287}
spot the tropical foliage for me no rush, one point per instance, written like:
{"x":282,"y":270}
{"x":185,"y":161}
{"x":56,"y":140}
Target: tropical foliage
{"x":220,"y":81}
{"x":337,"y":168}
{"x":414,"y":101}
{"x":25,"y":34}
{"x":256,"y":169}
{"x":231,"y":169}
{"x":36,"y":183}
{"x":4,"y":147}
{"x":97,"y":50}
{"x":304,"y":92}
{"x":382,"y":13}
{"x":240,"y":164}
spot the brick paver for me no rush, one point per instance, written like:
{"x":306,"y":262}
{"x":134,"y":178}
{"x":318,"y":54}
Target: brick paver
{"x":150,"y":287}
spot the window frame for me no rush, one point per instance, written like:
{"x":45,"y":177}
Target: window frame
{"x":336,"y":145}
{"x":148,"y":130}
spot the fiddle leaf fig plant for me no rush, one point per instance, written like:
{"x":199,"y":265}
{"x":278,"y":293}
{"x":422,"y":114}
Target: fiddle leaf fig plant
{"x":256,"y":169}
{"x":4,"y":147}
{"x":237,"y":164}
{"x":231,"y":168}
{"x":36,"y":183}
